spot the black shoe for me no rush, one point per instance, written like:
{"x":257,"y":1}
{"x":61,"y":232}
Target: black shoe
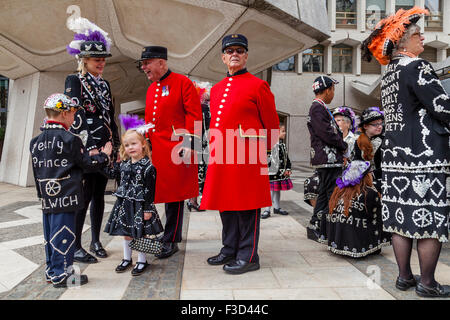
{"x":219,"y":259}
{"x":124,"y":265}
{"x":437,"y":291}
{"x":82,"y":256}
{"x":279,"y":211}
{"x":403,"y":285}
{"x":312,"y":234}
{"x":97,"y":248}
{"x":63,"y":284}
{"x":168,"y":249}
{"x":191,"y":206}
{"x":240,"y":266}
{"x":138,"y":271}
{"x":265,"y":214}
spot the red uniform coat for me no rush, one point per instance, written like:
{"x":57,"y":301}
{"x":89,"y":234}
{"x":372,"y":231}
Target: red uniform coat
{"x":173,"y":105}
{"x":237,"y":176}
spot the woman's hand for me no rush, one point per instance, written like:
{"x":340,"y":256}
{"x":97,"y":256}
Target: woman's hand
{"x":147,"y":215}
{"x":287,"y":173}
{"x":93,"y":152}
{"x":107,"y":148}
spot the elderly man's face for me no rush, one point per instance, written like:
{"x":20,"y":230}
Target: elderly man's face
{"x":153,"y":68}
{"x":235,"y":57}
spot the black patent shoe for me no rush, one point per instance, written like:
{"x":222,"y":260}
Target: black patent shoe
{"x":219,"y":259}
{"x":83,"y":279}
{"x":403,"y":285}
{"x":124,"y":265}
{"x":265,"y":214}
{"x":82,"y":256}
{"x":312,"y":234}
{"x":240,"y":266}
{"x":437,"y":291}
{"x":97,"y":248}
{"x":168,"y":249}
{"x":279,"y":211}
{"x":138,"y":271}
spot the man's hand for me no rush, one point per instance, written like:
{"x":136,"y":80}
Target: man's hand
{"x":107,"y":148}
{"x":93,"y":152}
{"x":185,"y":153}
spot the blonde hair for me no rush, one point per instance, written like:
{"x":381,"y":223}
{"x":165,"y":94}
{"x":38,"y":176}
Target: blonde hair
{"x":146,"y":150}
{"x":82,"y":66}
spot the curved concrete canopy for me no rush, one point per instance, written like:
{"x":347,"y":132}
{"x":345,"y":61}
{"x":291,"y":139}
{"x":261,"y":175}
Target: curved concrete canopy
{"x":33,"y":38}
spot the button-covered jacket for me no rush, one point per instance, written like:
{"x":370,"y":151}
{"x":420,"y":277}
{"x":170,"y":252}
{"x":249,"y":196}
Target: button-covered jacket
{"x":327,"y":143}
{"x":94,"y":123}
{"x":58,"y":160}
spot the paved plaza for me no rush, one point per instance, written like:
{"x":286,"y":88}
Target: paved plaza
{"x":292,"y":267}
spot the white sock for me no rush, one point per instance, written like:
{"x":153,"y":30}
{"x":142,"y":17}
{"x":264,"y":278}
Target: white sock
{"x":126,"y":249}
{"x":141,"y":257}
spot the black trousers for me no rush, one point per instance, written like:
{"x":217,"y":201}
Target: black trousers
{"x":327,"y":178}
{"x":240,"y":234}
{"x":174,"y":221}
{"x":94,"y":185}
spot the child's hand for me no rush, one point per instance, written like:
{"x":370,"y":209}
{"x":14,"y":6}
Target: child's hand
{"x":287,"y":173}
{"x":107,"y":148}
{"x":147,"y":215}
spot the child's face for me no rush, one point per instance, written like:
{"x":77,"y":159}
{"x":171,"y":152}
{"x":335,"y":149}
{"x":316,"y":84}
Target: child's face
{"x":282,"y":133}
{"x":133,"y":146}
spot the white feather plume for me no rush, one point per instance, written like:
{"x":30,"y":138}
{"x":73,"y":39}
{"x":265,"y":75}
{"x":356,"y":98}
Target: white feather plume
{"x":83,"y":26}
{"x":144,"y":128}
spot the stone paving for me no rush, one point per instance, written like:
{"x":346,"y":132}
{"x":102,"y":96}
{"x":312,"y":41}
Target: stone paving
{"x":292,"y":267}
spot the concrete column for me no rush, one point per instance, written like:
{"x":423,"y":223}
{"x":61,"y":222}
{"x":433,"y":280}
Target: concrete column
{"x":361,"y":15}
{"x":332,"y":14}
{"x":441,"y":54}
{"x":390,"y":7}
{"x":421,"y":22}
{"x":446,"y":21}
{"x":357,"y":60}
{"x":328,"y":56}
{"x":25,"y":116}
{"x":299,"y":64}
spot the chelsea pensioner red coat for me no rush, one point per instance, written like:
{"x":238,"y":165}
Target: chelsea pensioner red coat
{"x":242,"y":104}
{"x":172,"y":105}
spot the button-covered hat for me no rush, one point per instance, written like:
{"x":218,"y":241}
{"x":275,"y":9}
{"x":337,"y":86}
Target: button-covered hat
{"x":59,"y":102}
{"x":234,"y":40}
{"x":151,"y":52}
{"x":323,"y":82}
{"x":371,"y":114}
{"x":96,"y":49}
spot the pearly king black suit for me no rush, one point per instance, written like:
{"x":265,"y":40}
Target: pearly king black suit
{"x":95,"y":125}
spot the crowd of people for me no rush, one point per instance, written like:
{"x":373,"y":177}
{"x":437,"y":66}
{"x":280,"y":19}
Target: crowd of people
{"x":381,"y":178}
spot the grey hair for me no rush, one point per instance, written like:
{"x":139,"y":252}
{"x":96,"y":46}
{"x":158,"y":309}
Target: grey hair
{"x":412,"y":28}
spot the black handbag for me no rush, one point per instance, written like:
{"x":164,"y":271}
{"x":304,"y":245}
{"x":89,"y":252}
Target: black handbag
{"x":147,"y":244}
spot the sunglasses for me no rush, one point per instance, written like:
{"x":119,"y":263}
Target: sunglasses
{"x":376,"y":124}
{"x":230,"y":51}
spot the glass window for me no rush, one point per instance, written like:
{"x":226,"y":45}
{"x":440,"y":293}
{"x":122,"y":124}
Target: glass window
{"x":404,"y":4}
{"x":285,"y":65}
{"x":313,"y":59}
{"x":345,"y":13}
{"x":4,"y":85}
{"x":375,"y":11}
{"x":342,"y":58}
{"x":433,"y":22}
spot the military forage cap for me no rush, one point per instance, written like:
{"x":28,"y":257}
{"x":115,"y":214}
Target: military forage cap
{"x":234,"y":40}
{"x":59,"y":102}
{"x":151,"y":52}
{"x":95,"y":49}
{"x":323,"y":82}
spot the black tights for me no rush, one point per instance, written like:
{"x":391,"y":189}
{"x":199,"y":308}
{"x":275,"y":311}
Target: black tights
{"x":428,"y":251}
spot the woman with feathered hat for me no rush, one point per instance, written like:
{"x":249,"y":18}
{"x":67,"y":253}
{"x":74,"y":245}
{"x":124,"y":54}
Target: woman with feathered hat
{"x":416,"y":158}
{"x":94,"y":123}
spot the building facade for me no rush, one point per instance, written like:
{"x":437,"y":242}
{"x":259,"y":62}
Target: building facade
{"x":351,"y":22}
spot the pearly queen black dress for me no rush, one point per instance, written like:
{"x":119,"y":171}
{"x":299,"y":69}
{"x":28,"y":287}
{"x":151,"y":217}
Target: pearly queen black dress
{"x":135,"y":195}
{"x":415,"y":165}
{"x":361,"y":232}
